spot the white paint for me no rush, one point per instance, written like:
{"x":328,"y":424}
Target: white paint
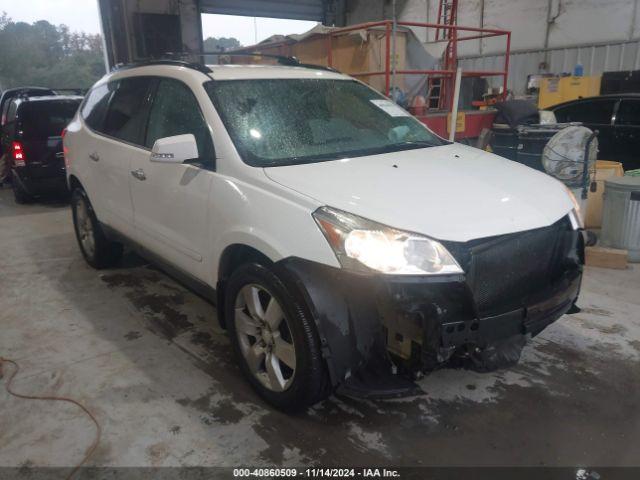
{"x":451,"y":192}
{"x":176,"y":149}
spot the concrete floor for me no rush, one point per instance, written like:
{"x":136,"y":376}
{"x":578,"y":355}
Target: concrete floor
{"x":146,"y":356}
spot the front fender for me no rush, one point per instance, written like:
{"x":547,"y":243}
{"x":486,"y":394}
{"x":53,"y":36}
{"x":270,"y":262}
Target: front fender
{"x":346,"y":314}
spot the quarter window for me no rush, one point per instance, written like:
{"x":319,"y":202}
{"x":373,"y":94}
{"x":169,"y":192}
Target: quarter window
{"x":126,"y":115}
{"x":629,"y":113}
{"x":175,"y":111}
{"x":95,"y":106}
{"x":10,"y":120}
{"x":5,"y":111}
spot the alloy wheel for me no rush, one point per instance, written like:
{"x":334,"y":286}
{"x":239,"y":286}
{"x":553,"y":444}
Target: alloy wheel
{"x":85,"y":227}
{"x":265,"y":338}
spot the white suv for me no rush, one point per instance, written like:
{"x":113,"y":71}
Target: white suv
{"x":343,"y":242}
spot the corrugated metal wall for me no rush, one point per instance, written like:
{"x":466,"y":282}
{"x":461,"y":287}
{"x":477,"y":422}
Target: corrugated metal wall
{"x":596,"y":59}
{"x":547,"y":31}
{"x":294,"y":9}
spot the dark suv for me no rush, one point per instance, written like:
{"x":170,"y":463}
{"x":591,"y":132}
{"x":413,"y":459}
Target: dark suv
{"x":5,"y":102}
{"x":32,"y":141}
{"x":617,"y":119}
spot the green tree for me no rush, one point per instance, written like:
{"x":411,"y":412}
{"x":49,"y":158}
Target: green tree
{"x":213,"y":44}
{"x":221,"y":44}
{"x":47,"y":55}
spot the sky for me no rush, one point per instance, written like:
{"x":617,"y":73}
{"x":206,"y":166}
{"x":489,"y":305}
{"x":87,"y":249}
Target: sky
{"x":82,"y":16}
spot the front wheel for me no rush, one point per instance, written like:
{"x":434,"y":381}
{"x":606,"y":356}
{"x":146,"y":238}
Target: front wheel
{"x":97,"y":250}
{"x":274,"y":338}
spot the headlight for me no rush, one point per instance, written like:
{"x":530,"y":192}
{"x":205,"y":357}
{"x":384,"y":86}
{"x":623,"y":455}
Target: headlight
{"x":575,"y":215}
{"x":363,"y":245}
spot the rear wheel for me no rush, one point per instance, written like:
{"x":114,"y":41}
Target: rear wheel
{"x":97,"y":250}
{"x":274,"y":339}
{"x":4,"y":168}
{"x":20,"y":195}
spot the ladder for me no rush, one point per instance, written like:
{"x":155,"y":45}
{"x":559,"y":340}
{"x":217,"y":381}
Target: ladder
{"x":447,"y":15}
{"x":441,"y":89}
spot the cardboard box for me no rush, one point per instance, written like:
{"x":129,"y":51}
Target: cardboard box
{"x":352,"y":53}
{"x":606,"y":258}
{"x":604,"y":169}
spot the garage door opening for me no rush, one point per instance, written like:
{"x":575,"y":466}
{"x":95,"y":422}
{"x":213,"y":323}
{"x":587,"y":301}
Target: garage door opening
{"x":224,"y":32}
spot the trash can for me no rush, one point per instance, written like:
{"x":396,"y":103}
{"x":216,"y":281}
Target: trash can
{"x":531,"y":142}
{"x":504,"y":141}
{"x":524,"y":144}
{"x":621,"y":215}
{"x":604,"y":169}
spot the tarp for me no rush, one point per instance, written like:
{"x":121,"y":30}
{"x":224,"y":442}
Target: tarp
{"x":419,"y":55}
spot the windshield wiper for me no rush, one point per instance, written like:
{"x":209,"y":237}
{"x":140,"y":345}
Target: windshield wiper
{"x":417,"y":143}
{"x":397,"y":147}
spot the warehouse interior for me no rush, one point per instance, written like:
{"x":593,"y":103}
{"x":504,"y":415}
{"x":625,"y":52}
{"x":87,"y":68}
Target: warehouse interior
{"x":552,"y":85}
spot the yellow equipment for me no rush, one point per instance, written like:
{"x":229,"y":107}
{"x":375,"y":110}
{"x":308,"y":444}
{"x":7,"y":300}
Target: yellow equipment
{"x":555,"y":90}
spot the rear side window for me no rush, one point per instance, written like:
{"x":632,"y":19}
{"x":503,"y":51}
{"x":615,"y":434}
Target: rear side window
{"x":175,"y":111}
{"x":12,"y":111}
{"x":9,"y":117}
{"x":5,"y":111}
{"x":126,"y":114}
{"x":629,"y":113}
{"x":95,"y":106}
{"x":41,"y":120}
{"x":597,"y":112}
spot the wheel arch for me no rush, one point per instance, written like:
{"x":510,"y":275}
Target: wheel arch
{"x":74,"y":183}
{"x":232,"y":257}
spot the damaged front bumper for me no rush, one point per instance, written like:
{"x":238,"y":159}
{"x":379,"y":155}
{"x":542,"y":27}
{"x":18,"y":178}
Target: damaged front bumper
{"x":372,"y":326}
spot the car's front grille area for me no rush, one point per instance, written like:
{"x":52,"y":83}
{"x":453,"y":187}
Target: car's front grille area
{"x":502,"y":271}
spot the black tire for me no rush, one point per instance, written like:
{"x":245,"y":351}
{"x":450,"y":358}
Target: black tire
{"x":105,"y":253}
{"x":591,"y":239}
{"x":310,"y":384}
{"x":20,"y":195}
{"x":4,"y":168}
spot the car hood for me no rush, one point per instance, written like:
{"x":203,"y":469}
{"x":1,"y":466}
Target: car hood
{"x":451,"y":192}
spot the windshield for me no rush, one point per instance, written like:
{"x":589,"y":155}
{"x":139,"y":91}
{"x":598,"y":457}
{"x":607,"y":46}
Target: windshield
{"x":276,"y":122}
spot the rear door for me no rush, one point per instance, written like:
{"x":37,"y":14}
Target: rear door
{"x":596,"y":114}
{"x":88,"y":143}
{"x":40,"y":125}
{"x":120,"y":139}
{"x":171,"y":200}
{"x":627,"y":134}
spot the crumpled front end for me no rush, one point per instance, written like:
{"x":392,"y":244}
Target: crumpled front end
{"x":375,"y":326}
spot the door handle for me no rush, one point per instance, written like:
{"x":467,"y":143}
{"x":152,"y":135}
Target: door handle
{"x":138,"y":174}
{"x":94,"y":156}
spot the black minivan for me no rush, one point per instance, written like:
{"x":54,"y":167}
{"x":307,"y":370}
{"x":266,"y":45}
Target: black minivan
{"x":32,"y":141}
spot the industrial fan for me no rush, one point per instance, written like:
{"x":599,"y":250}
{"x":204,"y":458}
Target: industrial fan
{"x":570,"y":156}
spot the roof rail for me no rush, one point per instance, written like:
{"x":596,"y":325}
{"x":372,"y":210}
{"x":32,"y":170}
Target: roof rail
{"x":73,"y":90}
{"x":162,"y":61}
{"x":281,"y":59}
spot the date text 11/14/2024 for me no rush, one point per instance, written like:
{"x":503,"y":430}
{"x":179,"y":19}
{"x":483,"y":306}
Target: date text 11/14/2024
{"x":317,"y":472}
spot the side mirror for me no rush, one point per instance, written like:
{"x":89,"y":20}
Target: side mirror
{"x":177,"y":149}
